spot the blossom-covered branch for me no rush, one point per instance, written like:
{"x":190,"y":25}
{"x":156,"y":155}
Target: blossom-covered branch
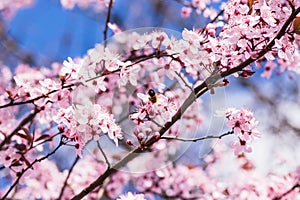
{"x":198,"y":91}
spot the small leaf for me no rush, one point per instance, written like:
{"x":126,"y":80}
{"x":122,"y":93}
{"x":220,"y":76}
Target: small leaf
{"x":10,"y":95}
{"x":42,"y":137}
{"x":246,"y":73}
{"x":250,"y":3}
{"x":28,"y":135}
{"x":20,"y":147}
{"x":26,"y":161}
{"x":15,"y":163}
{"x":296,"y":25}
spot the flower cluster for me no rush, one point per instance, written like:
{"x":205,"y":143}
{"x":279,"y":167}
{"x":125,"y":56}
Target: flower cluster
{"x":200,"y":7}
{"x":244,"y":126}
{"x":249,"y":29}
{"x":160,"y":111}
{"x":86,"y":122}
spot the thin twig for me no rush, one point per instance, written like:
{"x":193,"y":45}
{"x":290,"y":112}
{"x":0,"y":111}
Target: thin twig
{"x":67,"y":178}
{"x":213,"y":20}
{"x":104,"y":155}
{"x":186,"y":84}
{"x":196,"y":139}
{"x":29,"y":167}
{"x":287,"y":192}
{"x":106,"y":22}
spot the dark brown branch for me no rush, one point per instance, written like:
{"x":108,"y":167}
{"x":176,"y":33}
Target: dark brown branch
{"x":107,"y":21}
{"x":104,"y":155}
{"x":29,"y":167}
{"x":67,"y":178}
{"x":287,"y":192}
{"x":196,"y":139}
{"x":198,"y":91}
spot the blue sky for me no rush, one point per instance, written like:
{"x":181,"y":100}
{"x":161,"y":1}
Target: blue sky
{"x":51,"y":33}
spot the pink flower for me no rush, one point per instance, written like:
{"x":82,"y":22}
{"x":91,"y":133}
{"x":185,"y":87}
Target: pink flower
{"x":160,"y":111}
{"x":244,"y":126}
{"x":8,"y":156}
{"x":266,"y":14}
{"x":159,"y":39}
{"x":240,"y":147}
{"x":71,"y":68}
{"x":269,"y":67}
{"x":86,"y":122}
{"x":186,"y":12}
{"x":129,"y":74}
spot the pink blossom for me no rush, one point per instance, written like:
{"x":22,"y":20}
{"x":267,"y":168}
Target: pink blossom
{"x":244,"y":126}
{"x":162,"y":110}
{"x":186,"y":12}
{"x":87,"y":122}
{"x":71,"y":68}
{"x":240,"y":147}
{"x":266,"y":14}
{"x":9,"y":9}
{"x":269,"y":67}
{"x":9,"y":156}
{"x":159,"y":39}
{"x":129,"y":74}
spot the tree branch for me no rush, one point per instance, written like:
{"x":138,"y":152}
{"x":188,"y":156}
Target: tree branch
{"x":196,"y":139}
{"x":67,"y":178}
{"x":104,"y":155}
{"x":287,"y":192}
{"x":107,"y":21}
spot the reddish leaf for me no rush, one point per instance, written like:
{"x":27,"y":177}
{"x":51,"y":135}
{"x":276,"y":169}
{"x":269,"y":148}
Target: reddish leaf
{"x":251,"y":2}
{"x":10,"y":95}
{"x":28,"y":135}
{"x":296,"y":25}
{"x":26,"y":161}
{"x":15,"y":163}
{"x":20,"y":147}
{"x":42,"y":137}
{"x":246,"y":73}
